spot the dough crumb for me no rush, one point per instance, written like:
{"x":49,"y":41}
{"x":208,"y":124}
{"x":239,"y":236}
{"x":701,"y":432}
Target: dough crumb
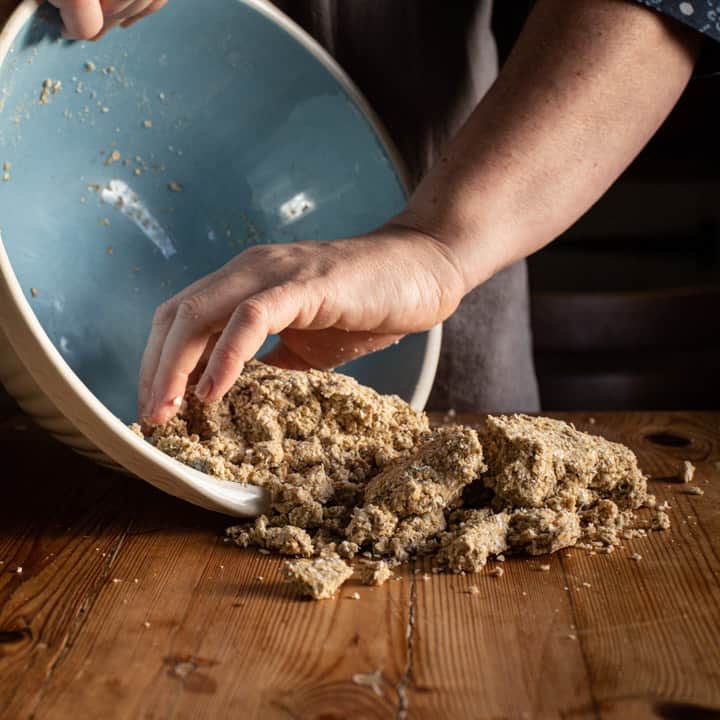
{"x":687,"y":471}
{"x":372,"y":680}
{"x":113,"y":157}
{"x":175,"y":186}
{"x":47,"y":88}
{"x":319,"y":578}
{"x":497,"y":572}
{"x":374,"y":572}
{"x":694,"y":491}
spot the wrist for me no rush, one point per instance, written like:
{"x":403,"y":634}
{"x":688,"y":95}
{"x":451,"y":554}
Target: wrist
{"x":476,"y":248}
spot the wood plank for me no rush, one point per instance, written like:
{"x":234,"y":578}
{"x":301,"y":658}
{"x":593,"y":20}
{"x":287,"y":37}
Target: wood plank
{"x":64,"y":534}
{"x":641,"y":641}
{"x":217,"y":639}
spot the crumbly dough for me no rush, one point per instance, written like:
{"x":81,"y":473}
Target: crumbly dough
{"x":374,"y":572}
{"x":319,"y":578}
{"x":356,"y":476}
{"x":541,"y":462}
{"x":687,"y":471}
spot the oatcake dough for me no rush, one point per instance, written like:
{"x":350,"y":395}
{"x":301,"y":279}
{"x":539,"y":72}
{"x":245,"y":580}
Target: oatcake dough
{"x":374,"y":572}
{"x":353,"y":474}
{"x":319,"y":578}
{"x":537,"y":462}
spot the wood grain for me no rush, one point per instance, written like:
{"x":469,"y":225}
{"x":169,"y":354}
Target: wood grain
{"x":131,"y":605}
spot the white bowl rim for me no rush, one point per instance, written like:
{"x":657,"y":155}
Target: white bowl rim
{"x":72,"y":397}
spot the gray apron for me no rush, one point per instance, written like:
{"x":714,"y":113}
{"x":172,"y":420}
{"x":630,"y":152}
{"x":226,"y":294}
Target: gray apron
{"x":424,"y":65}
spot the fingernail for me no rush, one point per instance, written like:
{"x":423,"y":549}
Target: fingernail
{"x":204,"y":387}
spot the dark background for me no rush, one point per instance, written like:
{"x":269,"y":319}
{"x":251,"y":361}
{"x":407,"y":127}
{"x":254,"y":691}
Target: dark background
{"x":626,"y":308}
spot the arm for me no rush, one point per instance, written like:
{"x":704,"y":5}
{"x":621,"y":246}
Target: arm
{"x":587,"y":85}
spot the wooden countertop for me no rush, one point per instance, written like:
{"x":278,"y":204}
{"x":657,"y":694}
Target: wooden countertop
{"x":131,"y":605}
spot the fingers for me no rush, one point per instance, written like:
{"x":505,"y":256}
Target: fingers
{"x":82,"y":19}
{"x":197,"y":317}
{"x":162,"y":322}
{"x":153,"y":8}
{"x":266,"y":313}
{"x":91,"y":19}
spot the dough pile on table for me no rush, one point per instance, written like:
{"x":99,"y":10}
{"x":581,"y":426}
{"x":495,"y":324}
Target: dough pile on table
{"x":356,"y":475}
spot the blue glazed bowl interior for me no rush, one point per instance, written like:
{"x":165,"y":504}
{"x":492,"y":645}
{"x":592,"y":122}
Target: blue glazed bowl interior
{"x":135,"y":165}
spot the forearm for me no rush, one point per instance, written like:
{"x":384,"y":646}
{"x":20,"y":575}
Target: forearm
{"x":587,"y":85}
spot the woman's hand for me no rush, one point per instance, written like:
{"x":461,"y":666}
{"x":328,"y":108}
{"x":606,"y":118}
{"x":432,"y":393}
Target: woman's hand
{"x":329,"y":301}
{"x":91,"y":19}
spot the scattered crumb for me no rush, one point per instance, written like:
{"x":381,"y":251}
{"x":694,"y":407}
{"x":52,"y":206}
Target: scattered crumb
{"x":694,"y":491}
{"x":19,"y":570}
{"x":90,"y":66}
{"x":586,"y":585}
{"x":146,"y":624}
{"x":374,"y":572}
{"x":687,"y":471}
{"x":354,"y":596}
{"x":660,"y":520}
{"x":7,"y":166}
{"x":572,"y":637}
{"x":34,"y":292}
{"x":6,"y":177}
{"x":147,"y":124}
{"x":592,"y":420}
{"x":319,"y":578}
{"x":45,"y":92}
{"x":175,"y":186}
{"x":116,"y":581}
{"x":472,"y":590}
{"x":497,"y":572}
{"x":109,"y":250}
{"x":113,"y":157}
{"x":372,"y":680}
{"x":543,"y":568}
{"x":636,"y":557}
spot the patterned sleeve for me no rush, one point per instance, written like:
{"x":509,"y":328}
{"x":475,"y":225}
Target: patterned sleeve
{"x":702,"y":15}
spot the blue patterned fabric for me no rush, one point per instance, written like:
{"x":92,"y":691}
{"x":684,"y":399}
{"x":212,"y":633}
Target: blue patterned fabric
{"x":702,"y":15}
